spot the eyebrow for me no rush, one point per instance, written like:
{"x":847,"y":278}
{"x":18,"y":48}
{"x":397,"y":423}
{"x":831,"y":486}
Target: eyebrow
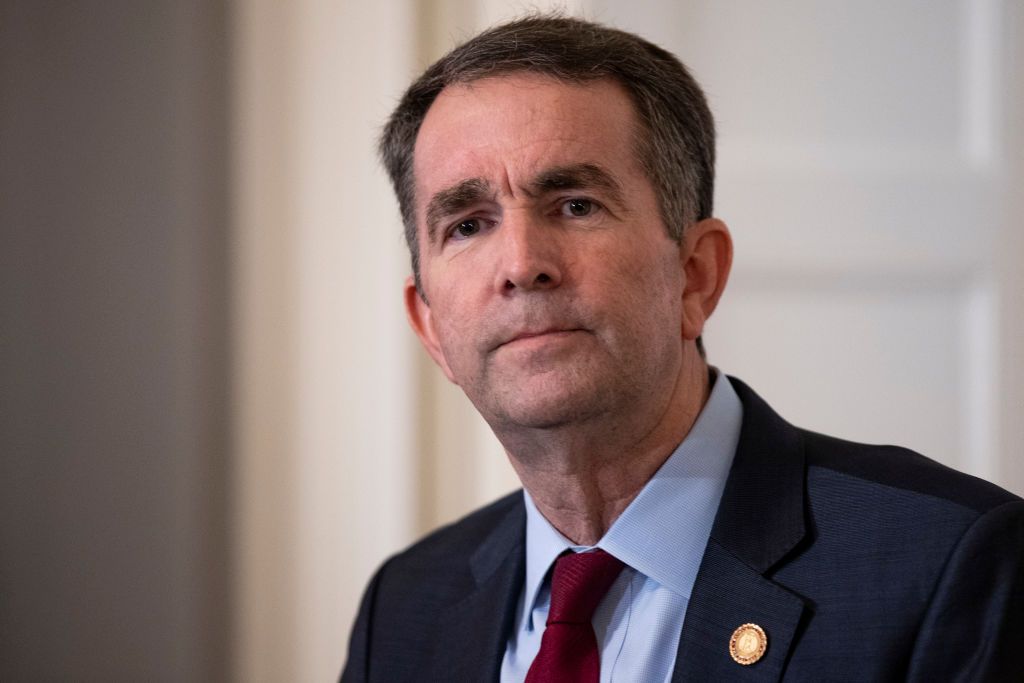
{"x":453,"y":200}
{"x":583,"y":176}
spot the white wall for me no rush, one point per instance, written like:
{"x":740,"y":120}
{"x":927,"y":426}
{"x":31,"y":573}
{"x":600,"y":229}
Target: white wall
{"x":326,"y":417}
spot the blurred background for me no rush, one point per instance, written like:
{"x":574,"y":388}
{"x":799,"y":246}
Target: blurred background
{"x":214,"y":423}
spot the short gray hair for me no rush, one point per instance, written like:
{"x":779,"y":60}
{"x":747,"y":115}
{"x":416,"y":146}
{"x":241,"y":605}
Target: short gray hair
{"x":676,"y":143}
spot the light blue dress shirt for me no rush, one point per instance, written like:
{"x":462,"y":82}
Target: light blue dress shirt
{"x":660,"y":537}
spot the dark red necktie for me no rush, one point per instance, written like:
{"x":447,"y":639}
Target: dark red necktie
{"x":568,"y":649}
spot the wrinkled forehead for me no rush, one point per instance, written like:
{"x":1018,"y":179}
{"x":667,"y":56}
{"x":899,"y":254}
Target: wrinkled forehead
{"x":508,"y":127}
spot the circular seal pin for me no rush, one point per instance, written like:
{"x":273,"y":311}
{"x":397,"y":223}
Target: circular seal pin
{"x":748,"y":644}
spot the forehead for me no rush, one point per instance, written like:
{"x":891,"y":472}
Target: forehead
{"x":509,"y":127}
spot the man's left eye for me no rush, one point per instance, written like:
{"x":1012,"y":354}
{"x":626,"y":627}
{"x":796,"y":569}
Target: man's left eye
{"x":578,"y":207}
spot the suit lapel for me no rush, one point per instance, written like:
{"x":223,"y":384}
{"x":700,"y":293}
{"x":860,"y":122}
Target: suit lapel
{"x":470,"y":641}
{"x":759,"y":520}
{"x":728,"y":593}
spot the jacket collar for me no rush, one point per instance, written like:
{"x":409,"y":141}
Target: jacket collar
{"x":760,"y":520}
{"x":761,"y":516}
{"x":471,"y":637}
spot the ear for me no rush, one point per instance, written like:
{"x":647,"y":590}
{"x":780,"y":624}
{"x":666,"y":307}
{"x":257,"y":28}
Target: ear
{"x":707,"y":257}
{"x":421,"y":321}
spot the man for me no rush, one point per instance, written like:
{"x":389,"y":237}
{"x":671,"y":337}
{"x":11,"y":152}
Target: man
{"x":555,"y":179}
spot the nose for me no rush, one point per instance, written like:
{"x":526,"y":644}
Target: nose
{"x":530,"y":257}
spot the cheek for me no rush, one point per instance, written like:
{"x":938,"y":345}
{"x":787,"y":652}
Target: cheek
{"x":634,"y":302}
{"x":651,"y":281}
{"x":656,"y":301}
{"x":449,"y":327}
{"x":457,"y":329}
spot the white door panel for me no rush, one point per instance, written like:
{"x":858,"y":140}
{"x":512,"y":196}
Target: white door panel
{"x":860,"y":167}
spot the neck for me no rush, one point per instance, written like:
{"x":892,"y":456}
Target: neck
{"x":582,"y":477}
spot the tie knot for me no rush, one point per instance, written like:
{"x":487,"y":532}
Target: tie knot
{"x":578,"y":583}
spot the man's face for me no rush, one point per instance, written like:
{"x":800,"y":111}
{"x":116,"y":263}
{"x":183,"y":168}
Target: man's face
{"x":553,"y":292}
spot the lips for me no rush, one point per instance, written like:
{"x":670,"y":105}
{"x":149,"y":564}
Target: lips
{"x":536,"y":321}
{"x":525,"y":335}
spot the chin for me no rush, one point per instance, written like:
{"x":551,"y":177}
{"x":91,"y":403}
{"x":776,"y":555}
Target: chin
{"x":540,"y":409}
{"x":536,"y":419}
{"x":548,"y":397}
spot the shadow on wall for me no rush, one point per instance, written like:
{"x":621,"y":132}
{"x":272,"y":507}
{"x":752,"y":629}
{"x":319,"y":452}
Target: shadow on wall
{"x":113,"y":555}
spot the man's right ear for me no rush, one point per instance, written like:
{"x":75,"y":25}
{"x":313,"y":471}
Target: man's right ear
{"x":422,"y":323}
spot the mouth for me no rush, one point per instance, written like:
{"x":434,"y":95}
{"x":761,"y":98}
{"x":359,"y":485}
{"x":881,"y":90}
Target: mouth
{"x":531,"y":337}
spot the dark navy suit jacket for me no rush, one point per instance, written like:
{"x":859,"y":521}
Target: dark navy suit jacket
{"x":861,"y":563}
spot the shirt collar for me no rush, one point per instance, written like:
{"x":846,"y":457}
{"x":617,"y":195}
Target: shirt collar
{"x":663,"y":531}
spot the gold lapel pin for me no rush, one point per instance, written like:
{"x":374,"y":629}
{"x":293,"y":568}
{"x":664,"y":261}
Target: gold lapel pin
{"x":748,"y":644}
